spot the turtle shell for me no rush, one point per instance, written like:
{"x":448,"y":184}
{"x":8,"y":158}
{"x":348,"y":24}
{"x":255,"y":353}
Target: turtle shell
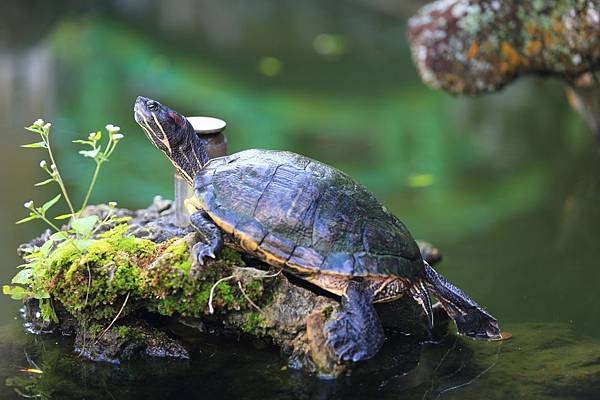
{"x":304,"y":215}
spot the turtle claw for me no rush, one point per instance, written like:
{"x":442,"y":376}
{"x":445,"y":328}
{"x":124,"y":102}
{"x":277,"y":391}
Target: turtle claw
{"x":200,"y":251}
{"x":211,"y":243}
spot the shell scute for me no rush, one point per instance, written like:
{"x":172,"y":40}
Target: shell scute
{"x":293,"y":211}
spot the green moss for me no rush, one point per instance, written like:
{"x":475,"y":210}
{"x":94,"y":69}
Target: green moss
{"x":256,"y":324}
{"x":126,"y":332}
{"x":172,"y":289}
{"x":231,"y":256}
{"x":92,"y":285}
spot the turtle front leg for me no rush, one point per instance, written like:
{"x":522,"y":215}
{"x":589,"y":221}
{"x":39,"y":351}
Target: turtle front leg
{"x":356,"y":332}
{"x":212,"y":238}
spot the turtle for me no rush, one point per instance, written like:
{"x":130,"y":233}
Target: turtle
{"x":314,"y":222}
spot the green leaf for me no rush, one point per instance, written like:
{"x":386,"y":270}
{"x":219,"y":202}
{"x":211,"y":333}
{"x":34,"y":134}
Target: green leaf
{"x":47,"y":181}
{"x":37,"y":145}
{"x":62,"y":235}
{"x":83,"y":226}
{"x":34,"y":129}
{"x":40,"y":294}
{"x":34,"y":256}
{"x":46,"y":247}
{"x":50,"y":203}
{"x":23,"y":276}
{"x":89,"y":153}
{"x":64,"y":216}
{"x":47,"y":311}
{"x":27,"y":219}
{"x":82,"y":244}
{"x":15,"y":292}
{"x":119,"y":219}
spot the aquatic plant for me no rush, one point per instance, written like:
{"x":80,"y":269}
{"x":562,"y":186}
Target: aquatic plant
{"x":77,"y":235}
{"x":98,"y":271}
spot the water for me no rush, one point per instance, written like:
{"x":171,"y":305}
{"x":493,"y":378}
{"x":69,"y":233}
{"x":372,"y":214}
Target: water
{"x":505,"y":185}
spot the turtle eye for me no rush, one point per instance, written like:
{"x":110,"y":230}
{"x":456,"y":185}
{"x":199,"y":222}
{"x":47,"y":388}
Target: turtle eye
{"x":152,"y":105}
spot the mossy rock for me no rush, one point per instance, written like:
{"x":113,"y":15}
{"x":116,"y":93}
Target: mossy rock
{"x":120,"y":278}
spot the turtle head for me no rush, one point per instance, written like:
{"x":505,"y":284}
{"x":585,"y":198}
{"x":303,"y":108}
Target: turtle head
{"x":173,"y":134}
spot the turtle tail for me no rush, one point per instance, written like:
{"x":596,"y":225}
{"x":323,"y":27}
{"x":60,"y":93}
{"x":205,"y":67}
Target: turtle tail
{"x":470,"y":318}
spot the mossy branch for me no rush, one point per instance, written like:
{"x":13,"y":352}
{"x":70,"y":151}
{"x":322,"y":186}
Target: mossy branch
{"x":472,"y":47}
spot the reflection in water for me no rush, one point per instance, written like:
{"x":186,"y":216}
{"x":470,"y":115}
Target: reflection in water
{"x":506,"y":185}
{"x":532,"y":365}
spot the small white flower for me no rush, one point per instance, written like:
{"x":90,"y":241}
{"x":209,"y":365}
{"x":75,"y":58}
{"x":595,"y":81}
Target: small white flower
{"x":110,"y":127}
{"x":53,"y":167}
{"x":28,"y":204}
{"x":112,"y":204}
{"x":115,"y":129}
{"x":47,"y":125}
{"x":118,"y":136}
{"x":43,"y":164}
{"x":39,"y":122}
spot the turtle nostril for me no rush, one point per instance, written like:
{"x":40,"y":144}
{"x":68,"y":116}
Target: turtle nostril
{"x":152,"y":105}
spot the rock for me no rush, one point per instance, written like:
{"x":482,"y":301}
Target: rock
{"x":127,"y":340}
{"x":128,"y":272}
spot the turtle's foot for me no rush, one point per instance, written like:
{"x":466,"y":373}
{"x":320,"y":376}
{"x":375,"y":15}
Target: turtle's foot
{"x":478,"y":324}
{"x":340,"y":339}
{"x":355,"y":333}
{"x":211,"y":243}
{"x":200,"y":251}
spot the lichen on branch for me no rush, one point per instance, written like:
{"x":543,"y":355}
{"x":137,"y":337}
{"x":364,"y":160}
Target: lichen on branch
{"x":476,"y":46}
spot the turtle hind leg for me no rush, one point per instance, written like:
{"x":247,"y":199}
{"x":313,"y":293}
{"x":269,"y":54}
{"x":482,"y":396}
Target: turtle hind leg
{"x":470,"y":318}
{"x":212,"y":238}
{"x":355,"y":333}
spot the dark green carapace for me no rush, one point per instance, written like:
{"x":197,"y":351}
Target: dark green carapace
{"x":315,"y":222}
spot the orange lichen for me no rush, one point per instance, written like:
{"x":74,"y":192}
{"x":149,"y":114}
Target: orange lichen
{"x":511,"y":57}
{"x":495,"y":41}
{"x":558,"y":26}
{"x":473,"y":51}
{"x":533,"y":47}
{"x":548,"y":39}
{"x":532,"y":28}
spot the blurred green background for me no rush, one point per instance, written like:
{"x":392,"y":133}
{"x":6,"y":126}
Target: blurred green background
{"x":506,"y":185}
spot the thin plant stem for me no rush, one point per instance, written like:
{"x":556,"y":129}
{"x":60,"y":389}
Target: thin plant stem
{"x":91,"y":187}
{"x":58,"y":177}
{"x":248,"y":299}
{"x":211,"y":310}
{"x":110,"y":146}
{"x":49,"y":223}
{"x":114,"y":319}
